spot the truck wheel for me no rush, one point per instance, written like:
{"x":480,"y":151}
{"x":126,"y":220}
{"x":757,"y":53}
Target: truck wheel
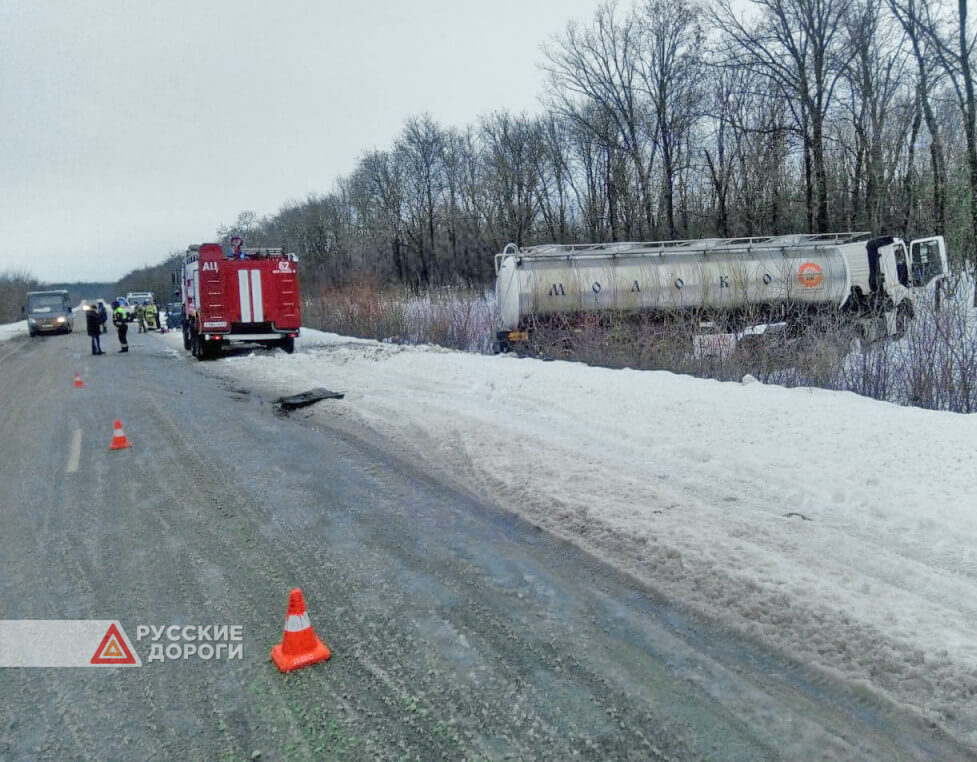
{"x":207,"y":350}
{"x":288,"y":344}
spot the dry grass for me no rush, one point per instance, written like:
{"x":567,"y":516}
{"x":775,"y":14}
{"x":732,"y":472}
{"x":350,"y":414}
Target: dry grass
{"x":453,"y":318}
{"x":934,"y":366}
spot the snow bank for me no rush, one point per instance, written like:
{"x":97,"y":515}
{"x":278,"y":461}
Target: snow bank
{"x":12,"y":330}
{"x":829,"y":525}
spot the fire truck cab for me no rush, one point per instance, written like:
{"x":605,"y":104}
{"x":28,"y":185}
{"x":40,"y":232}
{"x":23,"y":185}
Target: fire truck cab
{"x":246,"y":297}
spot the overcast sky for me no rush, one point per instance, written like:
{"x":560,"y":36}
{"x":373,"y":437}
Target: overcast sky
{"x":131,"y":129}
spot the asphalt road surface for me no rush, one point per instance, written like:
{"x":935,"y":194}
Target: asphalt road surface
{"x":457,"y":630}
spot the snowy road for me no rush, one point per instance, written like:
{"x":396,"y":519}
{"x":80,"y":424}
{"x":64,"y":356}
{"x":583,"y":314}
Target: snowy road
{"x":458,"y":630}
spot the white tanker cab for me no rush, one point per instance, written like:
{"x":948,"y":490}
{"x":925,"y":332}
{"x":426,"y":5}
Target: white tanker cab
{"x":730,"y":283}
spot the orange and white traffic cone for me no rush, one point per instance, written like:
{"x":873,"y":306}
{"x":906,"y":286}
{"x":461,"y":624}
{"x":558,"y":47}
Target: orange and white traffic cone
{"x":299,"y":647}
{"x":78,"y":382}
{"x":119,"y":441}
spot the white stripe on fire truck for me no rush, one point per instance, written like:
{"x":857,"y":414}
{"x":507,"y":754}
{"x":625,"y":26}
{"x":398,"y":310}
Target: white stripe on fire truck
{"x":245,"y":294}
{"x":256,"y":298}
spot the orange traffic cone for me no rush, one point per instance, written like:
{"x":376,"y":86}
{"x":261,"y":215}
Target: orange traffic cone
{"x":299,"y":647}
{"x":78,"y":382}
{"x":119,"y":441}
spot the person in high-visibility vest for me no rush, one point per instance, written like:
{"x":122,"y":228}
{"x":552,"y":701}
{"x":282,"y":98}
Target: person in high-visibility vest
{"x":120,"y":319}
{"x":152,"y":316}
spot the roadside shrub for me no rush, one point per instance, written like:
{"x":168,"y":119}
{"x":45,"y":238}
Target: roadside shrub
{"x":933,"y":366}
{"x":453,"y":318}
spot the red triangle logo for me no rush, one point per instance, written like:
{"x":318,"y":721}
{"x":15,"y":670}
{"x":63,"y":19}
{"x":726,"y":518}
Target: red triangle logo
{"x":113,"y":649}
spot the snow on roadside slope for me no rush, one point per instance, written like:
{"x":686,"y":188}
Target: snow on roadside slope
{"x":12,"y":330}
{"x":840,"y":529}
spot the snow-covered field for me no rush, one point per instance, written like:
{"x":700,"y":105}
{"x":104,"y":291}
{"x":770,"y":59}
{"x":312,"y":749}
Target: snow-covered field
{"x":835,"y":527}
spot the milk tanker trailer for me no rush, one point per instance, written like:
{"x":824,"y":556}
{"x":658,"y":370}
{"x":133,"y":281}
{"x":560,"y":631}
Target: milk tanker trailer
{"x":730,"y":283}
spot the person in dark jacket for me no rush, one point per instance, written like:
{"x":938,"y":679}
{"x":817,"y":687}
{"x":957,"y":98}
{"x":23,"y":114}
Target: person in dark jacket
{"x":103,"y":316}
{"x":121,"y":322}
{"x":94,"y":325}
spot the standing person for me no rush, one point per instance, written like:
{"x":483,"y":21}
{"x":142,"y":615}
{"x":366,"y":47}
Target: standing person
{"x":152,"y":315}
{"x":94,"y":325}
{"x":103,"y":316}
{"x":119,"y":319}
{"x":141,"y":316}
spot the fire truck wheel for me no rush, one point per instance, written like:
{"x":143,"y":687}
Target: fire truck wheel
{"x":209,"y":350}
{"x":288,"y":344}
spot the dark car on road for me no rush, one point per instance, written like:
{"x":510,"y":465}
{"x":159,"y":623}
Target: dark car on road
{"x":48,"y":312}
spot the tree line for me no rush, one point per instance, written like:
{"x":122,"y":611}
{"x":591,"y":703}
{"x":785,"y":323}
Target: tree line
{"x":667,"y":120}
{"x":14,"y":286}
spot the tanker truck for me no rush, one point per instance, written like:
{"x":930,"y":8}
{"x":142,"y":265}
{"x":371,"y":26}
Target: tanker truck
{"x":727,"y":284}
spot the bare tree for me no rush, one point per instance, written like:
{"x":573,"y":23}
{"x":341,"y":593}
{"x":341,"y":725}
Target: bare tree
{"x":513,"y":148}
{"x":794,"y":43}
{"x":593,"y":76}
{"x":420,"y":148}
{"x":955,"y":47}
{"x":875,"y":75}
{"x":911,"y":16}
{"x":377,"y":199}
{"x":673,"y":42}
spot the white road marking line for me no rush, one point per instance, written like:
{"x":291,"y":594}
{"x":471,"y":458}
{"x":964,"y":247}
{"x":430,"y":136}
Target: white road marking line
{"x":74,"y":453}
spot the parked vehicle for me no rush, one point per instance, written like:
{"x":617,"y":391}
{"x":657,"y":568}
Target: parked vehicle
{"x":731,"y":284}
{"x":139,"y":297}
{"x":48,"y":312}
{"x":252,"y":297}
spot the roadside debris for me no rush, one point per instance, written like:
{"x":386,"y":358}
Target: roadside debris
{"x":307,"y":398}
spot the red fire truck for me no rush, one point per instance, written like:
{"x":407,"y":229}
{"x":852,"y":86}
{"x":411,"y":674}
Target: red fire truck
{"x":248,"y":296}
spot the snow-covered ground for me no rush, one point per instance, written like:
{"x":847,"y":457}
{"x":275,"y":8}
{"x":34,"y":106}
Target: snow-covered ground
{"x":832,"y":526}
{"x":13,"y":330}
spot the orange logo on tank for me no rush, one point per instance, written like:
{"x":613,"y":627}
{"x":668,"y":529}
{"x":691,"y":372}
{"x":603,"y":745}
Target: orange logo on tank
{"x":810,"y":275}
